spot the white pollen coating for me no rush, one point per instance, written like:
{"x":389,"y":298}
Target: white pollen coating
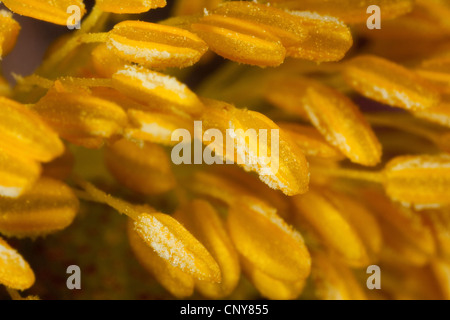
{"x":316,"y":16}
{"x":439,"y":118}
{"x":5,"y":13}
{"x":342,"y":142}
{"x":271,"y":214}
{"x":150,"y":55}
{"x":420,"y":207}
{"x":152,"y":80}
{"x":10,"y":192}
{"x":441,"y":162}
{"x":11,"y":257}
{"x":336,"y":139}
{"x":156,"y":130}
{"x":165,"y":244}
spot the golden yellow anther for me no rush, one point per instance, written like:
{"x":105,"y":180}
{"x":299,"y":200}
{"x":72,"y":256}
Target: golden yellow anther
{"x":390,"y":83}
{"x":333,"y":226}
{"x":267,"y":242}
{"x":142,"y":168}
{"x":156,"y":127}
{"x":270,"y":287}
{"x":173,"y":279}
{"x":9,"y":30}
{"x":155,"y":45}
{"x":349,"y":11}
{"x":17,"y":174}
{"x":334,"y":281}
{"x":439,"y":114}
{"x":278,"y":22}
{"x":50,"y":206}
{"x":328,"y":38}
{"x":338,"y":119}
{"x":215,"y":187}
{"x":241,"y":41}
{"x":362,"y":220}
{"x":305,"y":35}
{"x":311,"y":142}
{"x":254,"y":144}
{"x":15,"y":272}
{"x":157,"y":90}
{"x":404,"y":230}
{"x":204,"y":222}
{"x":105,"y":62}
{"x":129,"y":6}
{"x":25,"y":134}
{"x":342,"y":124}
{"x":78,"y":116}
{"x":419,"y":180}
{"x":175,"y":244}
{"x":439,"y":221}
{"x":53,"y":11}
{"x":441,"y":269}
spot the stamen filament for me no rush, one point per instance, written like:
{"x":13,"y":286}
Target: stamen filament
{"x":367,"y":176}
{"x":47,"y":83}
{"x":97,"y":195}
{"x":397,"y":123}
{"x":14,"y":294}
{"x":91,"y":21}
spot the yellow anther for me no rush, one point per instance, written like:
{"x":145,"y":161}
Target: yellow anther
{"x":334,"y":281}
{"x":157,"y":90}
{"x":156,"y":127}
{"x":439,"y":221}
{"x":25,"y":134}
{"x":441,"y":269}
{"x":48,"y":207}
{"x":287,"y":169}
{"x":334,"y":227}
{"x":328,"y":38}
{"x":18,"y":174}
{"x":129,"y":6}
{"x":175,"y":244}
{"x":311,"y":142}
{"x":390,"y":83}
{"x":422,"y":181}
{"x":155,"y":45}
{"x":339,"y":120}
{"x":267,"y":242}
{"x":144,"y":169}
{"x":53,"y":11}
{"x":204,"y":222}
{"x":270,"y":287}
{"x":241,"y":41}
{"x":15,"y":272}
{"x":350,"y":11}
{"x":305,"y":35}
{"x":105,"y":62}
{"x":439,"y":114}
{"x":77,"y":116}
{"x":173,"y":279}
{"x":9,"y":30}
{"x":278,"y":22}
{"x":409,"y":231}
